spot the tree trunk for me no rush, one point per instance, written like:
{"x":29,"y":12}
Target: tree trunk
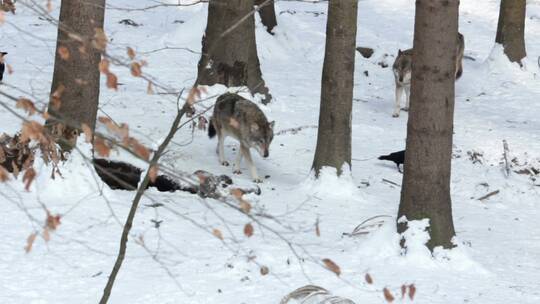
{"x":268,"y":14}
{"x":229,"y":50}
{"x":334,"y":135}
{"x":426,"y":179}
{"x":75,"y":86}
{"x":511,"y":29}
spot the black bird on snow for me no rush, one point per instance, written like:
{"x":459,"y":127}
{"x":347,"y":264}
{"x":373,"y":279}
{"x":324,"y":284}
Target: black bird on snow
{"x":2,"y":65}
{"x":397,"y":157}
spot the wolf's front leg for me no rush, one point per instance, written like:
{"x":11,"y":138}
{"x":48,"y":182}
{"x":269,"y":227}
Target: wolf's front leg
{"x":407,"y":97}
{"x":221,"y":149}
{"x":245,"y":151}
{"x":238,"y":161}
{"x":397,"y":106}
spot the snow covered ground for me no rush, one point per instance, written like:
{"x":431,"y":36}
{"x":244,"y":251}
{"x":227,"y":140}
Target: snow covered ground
{"x":498,"y":253}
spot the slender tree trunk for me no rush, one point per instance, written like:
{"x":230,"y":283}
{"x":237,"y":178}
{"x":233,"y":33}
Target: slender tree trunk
{"x":229,"y":50}
{"x":334,"y":135}
{"x":426,"y":179}
{"x":511,"y":29}
{"x":268,"y":14}
{"x":75,"y":86}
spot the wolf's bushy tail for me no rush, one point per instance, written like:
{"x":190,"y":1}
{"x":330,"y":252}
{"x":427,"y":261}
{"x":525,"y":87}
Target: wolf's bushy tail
{"x":211,"y":128}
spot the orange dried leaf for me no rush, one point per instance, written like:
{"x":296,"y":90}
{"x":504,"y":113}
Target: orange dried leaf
{"x":100,"y":39}
{"x":52,"y":221}
{"x":104,"y":66}
{"x":2,"y":17}
{"x":49,"y":6}
{"x":46,"y":234}
{"x":248,"y":230}
{"x":317,"y":229}
{"x":388,"y":295}
{"x":149,"y":89}
{"x":87,"y":132}
{"x":237,"y":193}
{"x":27,"y":105}
{"x":28,"y":178}
{"x":101,"y":147}
{"x":217,"y":234}
{"x":245,"y":206}
{"x":194,"y":94}
{"x":412,"y":291}
{"x":105,"y":120}
{"x":332,"y":266}
{"x":130,"y":53}
{"x":4,"y":174}
{"x":135,"y":68}
{"x":140,"y":150}
{"x":29,"y":242}
{"x":368,"y":278}
{"x":31,"y":130}
{"x":63,"y":52}
{"x":153,"y":173}
{"x":112,"y":81}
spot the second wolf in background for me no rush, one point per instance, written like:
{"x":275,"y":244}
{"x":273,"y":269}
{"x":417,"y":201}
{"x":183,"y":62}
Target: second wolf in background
{"x":402,"y":69}
{"x":242,"y":119}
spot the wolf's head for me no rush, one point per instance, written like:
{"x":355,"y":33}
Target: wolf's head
{"x":403,"y":67}
{"x":260,"y":137}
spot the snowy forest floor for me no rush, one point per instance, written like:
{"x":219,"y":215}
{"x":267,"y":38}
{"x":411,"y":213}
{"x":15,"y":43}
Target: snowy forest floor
{"x":498,"y":252}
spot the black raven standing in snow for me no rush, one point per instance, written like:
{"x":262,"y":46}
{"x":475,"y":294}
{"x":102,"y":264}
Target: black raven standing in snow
{"x":2,"y":65}
{"x":396,"y":157}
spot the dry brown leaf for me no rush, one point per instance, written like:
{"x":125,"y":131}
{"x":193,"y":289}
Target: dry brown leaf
{"x":368,"y":278}
{"x":130,"y":53}
{"x":403,"y":291}
{"x":32,"y":130}
{"x":135,"y":69}
{"x":105,"y":120}
{"x":87,"y":132}
{"x":317,"y":229}
{"x":153,"y":173}
{"x":388,"y":295}
{"x":264,"y":270}
{"x":248,"y":230}
{"x":412,"y":291}
{"x":100,"y":39}
{"x":63,"y":52}
{"x":104,"y":66}
{"x":56,"y":102}
{"x":28,"y":178}
{"x":140,"y":149}
{"x":52,"y":221}
{"x":112,"y":81}
{"x":49,"y":6}
{"x":2,"y":17}
{"x":237,"y":193}
{"x":245,"y":206}
{"x":332,"y":266}
{"x":46,"y":234}
{"x":194,"y":94}
{"x":149,"y":89}
{"x":217,"y":234}
{"x":29,"y":242}
{"x":27,"y":105}
{"x":101,"y":147}
{"x":4,"y":174}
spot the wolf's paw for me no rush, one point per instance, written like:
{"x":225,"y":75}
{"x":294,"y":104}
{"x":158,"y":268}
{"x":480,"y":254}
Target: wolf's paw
{"x":257,"y":180}
{"x":395,"y":115}
{"x":237,"y":171}
{"x":406,"y":109}
{"x":225,"y":163}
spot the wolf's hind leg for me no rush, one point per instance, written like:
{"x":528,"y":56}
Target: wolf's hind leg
{"x":221,"y":149}
{"x":238,"y":161}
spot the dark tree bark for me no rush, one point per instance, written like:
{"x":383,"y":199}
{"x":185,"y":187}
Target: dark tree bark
{"x":229,"y":51}
{"x":511,"y":29}
{"x":267,"y":12}
{"x":426,"y":179}
{"x":334,"y":135}
{"x":75,"y":86}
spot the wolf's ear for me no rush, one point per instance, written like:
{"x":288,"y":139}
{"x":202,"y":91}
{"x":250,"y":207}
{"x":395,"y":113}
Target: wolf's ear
{"x":399,"y":52}
{"x":271,"y":124}
{"x":254,"y":127}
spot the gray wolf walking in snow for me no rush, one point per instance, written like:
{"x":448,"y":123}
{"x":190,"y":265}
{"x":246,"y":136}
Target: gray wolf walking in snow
{"x":403,"y":68}
{"x":241,"y":119}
